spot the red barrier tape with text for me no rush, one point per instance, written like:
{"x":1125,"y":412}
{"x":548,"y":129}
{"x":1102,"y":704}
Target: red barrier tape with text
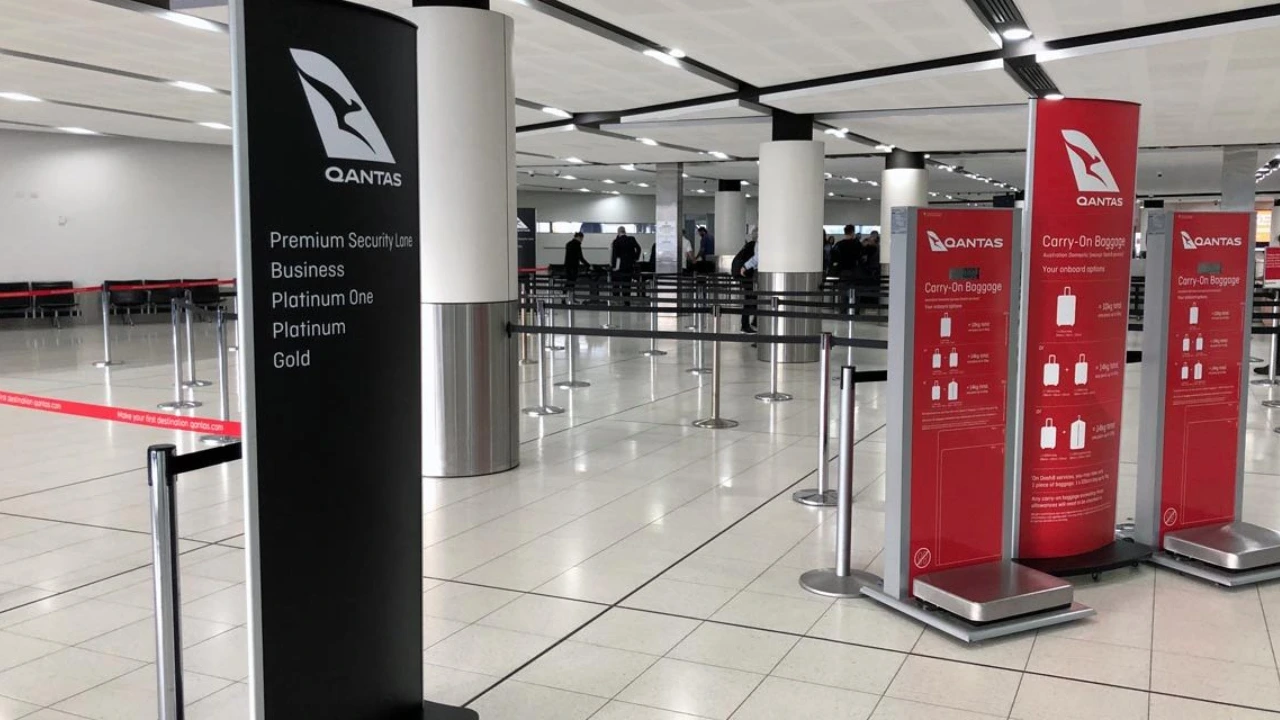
{"x":124,"y":415}
{"x":114,"y":287}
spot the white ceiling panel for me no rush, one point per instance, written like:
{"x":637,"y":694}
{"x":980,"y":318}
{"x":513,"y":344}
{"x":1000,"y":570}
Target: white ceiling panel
{"x":739,"y":137}
{"x":69,"y":84}
{"x":1196,"y":92}
{"x":530,"y":116}
{"x":111,"y":123}
{"x":765,"y":42}
{"x":595,"y":147}
{"x":976,"y":87}
{"x":997,"y":128}
{"x":1053,"y":19}
{"x":98,"y":34}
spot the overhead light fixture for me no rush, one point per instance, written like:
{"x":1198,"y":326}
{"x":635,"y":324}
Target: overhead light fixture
{"x":583,"y":190}
{"x":190,"y":21}
{"x":828,"y":175}
{"x":701,"y":191}
{"x":1016,"y":33}
{"x":648,"y":141}
{"x":215,"y":125}
{"x":662,"y":57}
{"x":873,"y":183}
{"x":852,"y":180}
{"x":615,"y":192}
{"x":628,"y":167}
{"x":836,"y":133}
{"x":77,"y":131}
{"x":643,"y":184}
{"x":831,"y":194}
{"x":568,"y":177}
{"x":884,"y":148}
{"x":1054,"y":96}
{"x":18,"y":97}
{"x":575,"y":161}
{"x":684,"y":175}
{"x":950,"y":198}
{"x":607,"y":181}
{"x":718,"y":155}
{"x":933,"y":194}
{"x":193,"y":87}
{"x":676,"y":53}
{"x":557,"y":112}
{"x":744,"y":182}
{"x":748,"y":194}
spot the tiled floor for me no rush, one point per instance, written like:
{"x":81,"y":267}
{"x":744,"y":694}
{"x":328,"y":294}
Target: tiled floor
{"x":632,"y":568}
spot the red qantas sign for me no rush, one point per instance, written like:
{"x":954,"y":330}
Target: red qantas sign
{"x":1271,"y":265}
{"x":1208,"y":293}
{"x":1081,"y":229}
{"x":959,"y":397}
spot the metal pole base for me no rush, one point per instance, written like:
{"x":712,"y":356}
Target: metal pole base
{"x":196,"y":383}
{"x":555,"y":348}
{"x":543,"y":411}
{"x":828,"y":584}
{"x":715,"y":424}
{"x":573,"y":384}
{"x":528,"y":362}
{"x":218,"y":439}
{"x":699,"y":371}
{"x":1271,"y":403}
{"x":1266,"y":382}
{"x":813,"y":498}
{"x":653,"y":353}
{"x":179,"y":405}
{"x":1256,"y":360}
{"x":773,"y":397}
{"x":108,"y":363}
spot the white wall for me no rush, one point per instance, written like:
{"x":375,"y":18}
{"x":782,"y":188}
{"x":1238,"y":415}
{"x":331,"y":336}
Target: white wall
{"x":89,"y":209}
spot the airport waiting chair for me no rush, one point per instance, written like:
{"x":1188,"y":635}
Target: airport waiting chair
{"x":15,"y":306}
{"x":126,"y":301}
{"x":205,"y":297}
{"x":161,"y":300}
{"x":58,"y":305}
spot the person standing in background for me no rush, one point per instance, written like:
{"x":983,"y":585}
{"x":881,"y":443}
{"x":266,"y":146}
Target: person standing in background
{"x":626,"y":253}
{"x":573,"y":259}
{"x":846,"y":256}
{"x":744,"y":269}
{"x":706,"y":244}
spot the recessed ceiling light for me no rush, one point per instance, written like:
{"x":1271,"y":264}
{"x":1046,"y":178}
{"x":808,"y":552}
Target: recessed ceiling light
{"x":18,"y":97}
{"x":873,"y":183}
{"x":884,"y":148}
{"x":628,"y":167}
{"x":575,"y":161}
{"x":607,"y":181}
{"x":191,"y":21}
{"x":215,"y":125}
{"x":701,"y":191}
{"x":828,"y":175}
{"x":676,"y":53}
{"x":933,"y":194}
{"x":1016,"y":32}
{"x":718,"y":155}
{"x":1053,"y":96}
{"x":835,"y":132}
{"x":583,"y":190}
{"x":193,"y":87}
{"x":831,"y":194}
{"x":643,"y":184}
{"x":557,"y":112}
{"x":77,"y":131}
{"x":748,"y":194}
{"x":568,"y":177}
{"x":852,"y":179}
{"x":648,"y":141}
{"x":614,"y":192}
{"x":684,"y":175}
{"x":662,"y":57}
{"x":745,"y":182}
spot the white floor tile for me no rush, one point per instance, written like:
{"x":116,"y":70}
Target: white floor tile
{"x":955,"y":685}
{"x":737,"y":648}
{"x":539,"y":615}
{"x":638,"y":631}
{"x":513,"y":699}
{"x":1216,"y":680}
{"x":588,"y":669}
{"x":691,"y":688}
{"x":62,"y":674}
{"x":844,"y":666}
{"x":1164,"y":707}
{"x":863,"y":622}
{"x":449,"y":686}
{"x":616,"y":710}
{"x":486,"y":650}
{"x":1042,"y":698}
{"x":772,"y":612}
{"x":780,"y":698}
{"x":897,"y":709}
{"x":1098,"y":662}
{"x":680,"y":598}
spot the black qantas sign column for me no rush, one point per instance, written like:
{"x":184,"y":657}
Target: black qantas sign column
{"x":327,"y":186}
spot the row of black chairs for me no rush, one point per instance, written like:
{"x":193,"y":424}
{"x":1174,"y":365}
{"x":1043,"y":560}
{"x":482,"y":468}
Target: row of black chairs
{"x":53,"y":306}
{"x":129,"y":302}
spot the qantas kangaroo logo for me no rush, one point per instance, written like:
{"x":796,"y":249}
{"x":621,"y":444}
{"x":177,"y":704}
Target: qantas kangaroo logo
{"x":1093,"y":175}
{"x":346,"y":127}
{"x":941,"y":244}
{"x":1195,"y":243}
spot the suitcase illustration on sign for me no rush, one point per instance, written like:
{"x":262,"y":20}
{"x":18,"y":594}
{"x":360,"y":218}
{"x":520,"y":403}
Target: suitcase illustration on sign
{"x":953,"y":391}
{"x":1186,"y":343}
{"x":1066,"y":308}
{"x":1199,"y":373}
{"x":936,"y":392}
{"x":1082,"y":371}
{"x":1186,"y":371}
{"x":945,"y":329}
{"x":937,"y":359}
{"x":955,"y":359}
{"x":1077,"y":434}
{"x":1199,"y":343}
{"x":1048,"y":435}
{"x":1195,"y":315}
{"x":1051,"y":372}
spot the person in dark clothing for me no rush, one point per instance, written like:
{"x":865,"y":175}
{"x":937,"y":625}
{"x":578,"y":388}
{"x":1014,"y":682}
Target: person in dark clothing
{"x":573,"y":260}
{"x":846,"y":257}
{"x":626,"y":253}
{"x":867,"y":276}
{"x":744,"y":268}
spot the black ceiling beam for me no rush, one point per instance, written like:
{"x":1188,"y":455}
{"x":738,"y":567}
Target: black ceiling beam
{"x":1261,"y":12}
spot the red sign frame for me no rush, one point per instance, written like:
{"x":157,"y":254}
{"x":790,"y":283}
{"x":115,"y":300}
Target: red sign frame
{"x":1271,"y":265}
{"x":1078,"y":247}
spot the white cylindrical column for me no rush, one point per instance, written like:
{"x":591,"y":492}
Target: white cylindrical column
{"x":731,"y":218}
{"x":466,"y":136}
{"x":905,"y":183}
{"x":792,"y":203}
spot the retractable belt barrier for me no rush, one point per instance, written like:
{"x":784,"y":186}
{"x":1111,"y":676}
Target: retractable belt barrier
{"x":118,"y":414}
{"x":113,"y":288}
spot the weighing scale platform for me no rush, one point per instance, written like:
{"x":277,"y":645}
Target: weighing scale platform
{"x":1237,"y":546}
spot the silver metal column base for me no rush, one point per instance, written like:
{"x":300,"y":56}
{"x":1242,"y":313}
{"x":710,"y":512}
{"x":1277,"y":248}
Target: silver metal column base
{"x":699,"y":371}
{"x":774,"y":397}
{"x":969,"y":632}
{"x":813,"y":498}
{"x":543,"y":411}
{"x":828,"y":584}
{"x":196,"y":383}
{"x":1266,"y":382}
{"x":108,"y":363}
{"x":179,"y":405}
{"x":218,"y":439}
{"x":573,"y":384}
{"x":715,"y":424}
{"x":653,"y":353}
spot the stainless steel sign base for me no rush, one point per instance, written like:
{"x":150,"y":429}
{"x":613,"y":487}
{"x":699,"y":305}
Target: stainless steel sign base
{"x":814,"y":498}
{"x":829,"y":583}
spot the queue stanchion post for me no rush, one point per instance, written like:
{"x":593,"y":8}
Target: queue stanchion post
{"x":188,"y":310}
{"x":653,"y":350}
{"x":572,"y":383}
{"x":544,"y":406}
{"x":699,"y":286}
{"x":823,"y":495}
{"x":843,"y":581}
{"x":609,"y":300}
{"x":179,"y":402}
{"x":699,"y":368}
{"x":773,"y":396}
{"x":224,"y":385}
{"x":164,"y":568}
{"x":715,"y":422}
{"x":1270,"y":380}
{"x":105,"y":301}
{"x":552,"y":343}
{"x":852,"y":298}
{"x":524,"y":339}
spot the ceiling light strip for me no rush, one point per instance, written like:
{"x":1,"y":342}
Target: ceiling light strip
{"x":94,"y":68}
